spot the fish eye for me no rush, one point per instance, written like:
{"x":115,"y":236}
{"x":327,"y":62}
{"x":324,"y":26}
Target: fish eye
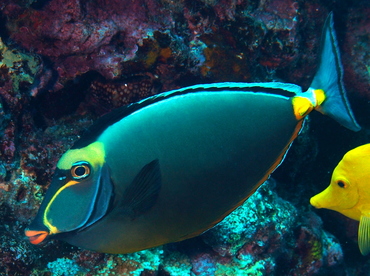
{"x":80,"y":170}
{"x":341,"y":184}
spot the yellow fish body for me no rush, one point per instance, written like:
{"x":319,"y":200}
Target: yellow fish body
{"x":349,"y":192}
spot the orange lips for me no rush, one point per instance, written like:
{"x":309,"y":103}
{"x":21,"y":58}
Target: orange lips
{"x":36,"y":236}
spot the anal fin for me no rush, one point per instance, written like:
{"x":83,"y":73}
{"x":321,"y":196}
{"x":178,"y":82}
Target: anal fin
{"x":364,"y":235}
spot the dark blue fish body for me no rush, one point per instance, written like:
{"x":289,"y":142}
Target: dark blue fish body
{"x":172,"y":166}
{"x":208,"y":150}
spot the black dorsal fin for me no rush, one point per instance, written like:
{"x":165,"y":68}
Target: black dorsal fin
{"x":277,"y":88}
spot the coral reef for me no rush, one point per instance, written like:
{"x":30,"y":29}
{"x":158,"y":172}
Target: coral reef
{"x":20,"y":67}
{"x":94,"y":35}
{"x":64,"y":267}
{"x":117,"y":38}
{"x":105,"y":95}
{"x":63,"y":63}
{"x":356,"y":60}
{"x":265,"y":234}
{"x":18,"y":71}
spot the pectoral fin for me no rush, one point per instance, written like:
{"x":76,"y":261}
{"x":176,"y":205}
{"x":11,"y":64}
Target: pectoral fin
{"x":364,"y":235}
{"x":143,"y":192}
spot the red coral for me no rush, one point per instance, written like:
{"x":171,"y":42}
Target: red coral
{"x":84,"y":33}
{"x":105,"y":96}
{"x":7,"y":143}
{"x":89,"y":260}
{"x":356,"y":60}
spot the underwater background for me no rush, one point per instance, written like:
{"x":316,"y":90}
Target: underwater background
{"x":64,"y":63}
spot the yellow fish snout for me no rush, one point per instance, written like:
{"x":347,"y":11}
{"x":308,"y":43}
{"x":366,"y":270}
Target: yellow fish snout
{"x":340,"y":197}
{"x":324,"y":199}
{"x":315,"y":202}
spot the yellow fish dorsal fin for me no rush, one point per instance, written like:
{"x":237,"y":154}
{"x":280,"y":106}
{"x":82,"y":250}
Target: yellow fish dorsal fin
{"x":364,"y":235}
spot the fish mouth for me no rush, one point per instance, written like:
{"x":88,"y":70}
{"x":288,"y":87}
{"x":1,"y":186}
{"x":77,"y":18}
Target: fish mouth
{"x":36,"y":237}
{"x":315,"y":203}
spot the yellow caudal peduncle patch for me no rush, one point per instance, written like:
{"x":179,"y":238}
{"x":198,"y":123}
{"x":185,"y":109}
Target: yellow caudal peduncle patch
{"x":47,"y":223}
{"x":306,"y":102}
{"x":320,"y":96}
{"x":301,"y":106}
{"x":93,"y":154}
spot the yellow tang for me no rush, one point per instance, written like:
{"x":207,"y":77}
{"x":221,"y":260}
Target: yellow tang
{"x":349,"y":192}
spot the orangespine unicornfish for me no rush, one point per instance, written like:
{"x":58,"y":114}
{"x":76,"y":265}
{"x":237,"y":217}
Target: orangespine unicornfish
{"x":349,"y":193}
{"x":171,"y":166}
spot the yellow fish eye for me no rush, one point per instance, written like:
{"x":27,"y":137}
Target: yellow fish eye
{"x":80,"y":170}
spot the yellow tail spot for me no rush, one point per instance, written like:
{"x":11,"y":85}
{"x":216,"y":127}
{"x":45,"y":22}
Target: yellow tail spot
{"x":301,"y":106}
{"x":320,"y":96}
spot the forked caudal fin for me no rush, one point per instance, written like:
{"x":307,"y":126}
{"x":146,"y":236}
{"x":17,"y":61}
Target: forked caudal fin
{"x":329,"y":77}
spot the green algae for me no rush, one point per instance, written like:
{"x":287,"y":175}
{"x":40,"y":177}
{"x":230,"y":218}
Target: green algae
{"x":21,"y":67}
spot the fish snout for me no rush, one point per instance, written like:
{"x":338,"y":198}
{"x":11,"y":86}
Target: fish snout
{"x":315,"y":202}
{"x":324,"y":199}
{"x":328,"y":199}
